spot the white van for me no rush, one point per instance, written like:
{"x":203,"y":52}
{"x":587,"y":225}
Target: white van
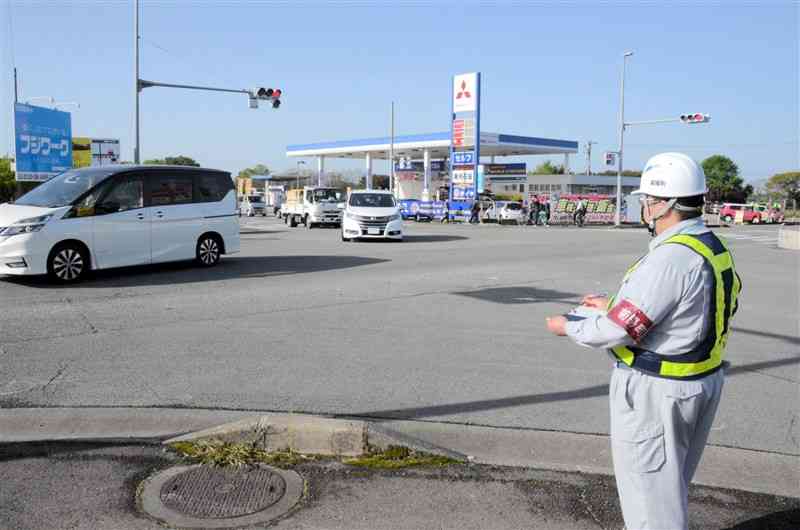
{"x":117,"y":216}
{"x":372,"y":214}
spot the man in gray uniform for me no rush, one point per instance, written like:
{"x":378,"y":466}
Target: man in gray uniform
{"x":666,"y":330}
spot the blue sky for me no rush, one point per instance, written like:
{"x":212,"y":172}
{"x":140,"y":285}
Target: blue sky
{"x":549,"y":69}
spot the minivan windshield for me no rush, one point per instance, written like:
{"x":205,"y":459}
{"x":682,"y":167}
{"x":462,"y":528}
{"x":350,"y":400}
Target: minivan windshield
{"x":255,"y":198}
{"x":513,"y":206}
{"x":372,"y":200}
{"x":64,"y":188}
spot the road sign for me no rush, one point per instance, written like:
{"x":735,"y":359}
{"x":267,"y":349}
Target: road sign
{"x":43,"y":140}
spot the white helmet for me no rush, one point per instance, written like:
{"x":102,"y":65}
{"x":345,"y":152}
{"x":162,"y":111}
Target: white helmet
{"x":672,"y":175}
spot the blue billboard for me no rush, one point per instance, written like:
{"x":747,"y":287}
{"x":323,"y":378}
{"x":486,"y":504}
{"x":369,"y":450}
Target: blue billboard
{"x":43,"y":140}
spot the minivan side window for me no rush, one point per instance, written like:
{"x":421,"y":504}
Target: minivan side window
{"x":213,"y":187}
{"x":166,"y":189}
{"x":126,"y":193}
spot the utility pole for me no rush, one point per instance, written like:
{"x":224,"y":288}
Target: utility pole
{"x":136,"y":88}
{"x":589,"y":156}
{"x":391,"y":154}
{"x":617,"y":213}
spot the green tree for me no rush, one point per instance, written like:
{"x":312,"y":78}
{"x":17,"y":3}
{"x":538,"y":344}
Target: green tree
{"x":8,"y":184}
{"x":258,"y":169}
{"x":179,"y":160}
{"x":548,"y":168}
{"x":723,"y":180}
{"x":785,"y":185}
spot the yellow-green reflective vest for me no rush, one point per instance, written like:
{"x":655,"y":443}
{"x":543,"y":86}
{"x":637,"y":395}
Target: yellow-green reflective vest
{"x":709,"y":354}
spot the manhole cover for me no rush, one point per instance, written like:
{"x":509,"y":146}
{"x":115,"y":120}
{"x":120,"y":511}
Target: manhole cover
{"x":210,"y":497}
{"x":210,"y":492}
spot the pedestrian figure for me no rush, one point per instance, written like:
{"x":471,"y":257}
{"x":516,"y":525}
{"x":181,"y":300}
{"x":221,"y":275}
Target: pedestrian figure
{"x":666,"y":331}
{"x":534,"y":213}
{"x":475,"y":212}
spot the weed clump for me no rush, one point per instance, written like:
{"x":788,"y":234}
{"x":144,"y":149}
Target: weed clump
{"x":226,"y":454}
{"x":398,"y":457}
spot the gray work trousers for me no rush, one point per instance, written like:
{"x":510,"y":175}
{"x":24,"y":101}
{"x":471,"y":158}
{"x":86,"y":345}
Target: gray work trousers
{"x":659,"y":428}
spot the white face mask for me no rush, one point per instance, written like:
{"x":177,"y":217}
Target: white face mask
{"x":646,"y":205}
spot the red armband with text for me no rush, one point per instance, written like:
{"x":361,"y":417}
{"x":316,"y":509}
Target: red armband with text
{"x":631,"y":319}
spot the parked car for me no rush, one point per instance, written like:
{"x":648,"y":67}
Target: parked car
{"x":371,"y":214}
{"x":253,"y":205}
{"x":504,"y":212}
{"x":116,"y":216}
{"x":750,"y":213}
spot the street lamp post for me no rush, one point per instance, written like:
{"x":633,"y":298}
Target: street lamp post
{"x":298,"y":172}
{"x":617,"y":217}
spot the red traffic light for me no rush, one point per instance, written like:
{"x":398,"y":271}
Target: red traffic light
{"x":695,"y":117}
{"x":276,"y":93}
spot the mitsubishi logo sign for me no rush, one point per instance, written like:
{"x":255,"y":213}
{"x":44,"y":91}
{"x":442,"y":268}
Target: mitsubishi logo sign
{"x":464,"y":90}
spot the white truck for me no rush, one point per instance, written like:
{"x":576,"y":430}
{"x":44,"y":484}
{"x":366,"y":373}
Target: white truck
{"x":313,"y":206}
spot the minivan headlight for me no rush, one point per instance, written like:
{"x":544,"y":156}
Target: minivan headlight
{"x":395,"y":217}
{"x":26,"y":226}
{"x":351,"y":215}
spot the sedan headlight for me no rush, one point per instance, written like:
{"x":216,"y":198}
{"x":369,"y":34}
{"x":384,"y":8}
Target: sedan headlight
{"x":25,"y":226}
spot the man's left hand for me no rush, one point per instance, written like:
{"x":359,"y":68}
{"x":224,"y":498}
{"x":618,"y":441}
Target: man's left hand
{"x":557,"y":325}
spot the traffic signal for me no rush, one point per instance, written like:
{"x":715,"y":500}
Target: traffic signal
{"x":695,"y":117}
{"x":269,"y":94}
{"x":611,"y":158}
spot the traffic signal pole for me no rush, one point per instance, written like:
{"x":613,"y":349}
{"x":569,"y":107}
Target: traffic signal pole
{"x":141,"y":84}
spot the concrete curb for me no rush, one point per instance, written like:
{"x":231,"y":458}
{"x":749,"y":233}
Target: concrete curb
{"x":723,"y":467}
{"x":789,"y":237}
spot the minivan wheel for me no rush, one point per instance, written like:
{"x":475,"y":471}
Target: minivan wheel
{"x":209,"y":251}
{"x":292,"y":221}
{"x":68,"y":263}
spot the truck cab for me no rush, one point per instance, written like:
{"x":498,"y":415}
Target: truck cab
{"x":314,"y":206}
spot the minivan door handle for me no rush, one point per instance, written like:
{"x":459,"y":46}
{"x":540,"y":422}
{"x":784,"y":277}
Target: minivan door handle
{"x":159,"y":214}
{"x":140,"y":216}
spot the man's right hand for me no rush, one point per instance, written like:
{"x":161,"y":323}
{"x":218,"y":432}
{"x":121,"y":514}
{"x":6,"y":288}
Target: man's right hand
{"x":596,"y":301}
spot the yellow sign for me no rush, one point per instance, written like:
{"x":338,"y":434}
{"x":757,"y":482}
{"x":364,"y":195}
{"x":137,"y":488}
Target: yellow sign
{"x":81,"y":152}
{"x":739,"y":220}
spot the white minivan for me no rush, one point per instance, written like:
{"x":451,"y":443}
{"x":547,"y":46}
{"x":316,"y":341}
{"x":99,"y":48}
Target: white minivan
{"x":117,"y":216}
{"x":372,"y":214}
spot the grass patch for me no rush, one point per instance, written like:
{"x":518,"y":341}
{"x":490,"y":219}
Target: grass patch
{"x":398,"y":457}
{"x":225,"y":454}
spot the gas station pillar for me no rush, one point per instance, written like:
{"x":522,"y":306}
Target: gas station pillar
{"x":566,"y":164}
{"x":320,"y":169}
{"x":368,"y":173}
{"x":426,"y":184}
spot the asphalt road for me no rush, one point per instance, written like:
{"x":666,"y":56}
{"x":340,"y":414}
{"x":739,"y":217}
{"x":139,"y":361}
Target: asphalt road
{"x":446,"y":326}
{"x":91,"y":486}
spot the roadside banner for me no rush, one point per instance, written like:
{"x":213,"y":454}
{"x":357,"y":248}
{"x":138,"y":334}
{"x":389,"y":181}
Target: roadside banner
{"x":409,"y":208}
{"x":599,"y":209}
{"x":43,"y":139}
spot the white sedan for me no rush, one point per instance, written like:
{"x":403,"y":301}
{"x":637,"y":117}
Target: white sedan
{"x":372,"y":214}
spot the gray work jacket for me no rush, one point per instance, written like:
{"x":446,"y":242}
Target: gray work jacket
{"x":672,"y":287}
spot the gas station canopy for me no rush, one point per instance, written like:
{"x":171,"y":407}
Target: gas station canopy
{"x":437,"y":145}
